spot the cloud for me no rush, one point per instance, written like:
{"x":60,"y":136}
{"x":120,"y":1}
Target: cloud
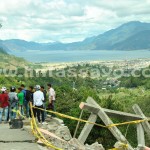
{"x":67,"y":20}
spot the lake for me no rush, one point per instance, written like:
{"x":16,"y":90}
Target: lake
{"x":59,"y":56}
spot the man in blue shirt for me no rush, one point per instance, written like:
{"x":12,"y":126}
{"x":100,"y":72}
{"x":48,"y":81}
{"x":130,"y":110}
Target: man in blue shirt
{"x":26,"y":102}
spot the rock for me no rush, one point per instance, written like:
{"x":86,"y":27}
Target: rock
{"x":95,"y":146}
{"x":58,"y":121}
{"x":52,"y":127}
{"x":64,"y":133}
{"x":76,"y":143}
{"x":55,"y":120}
{"x":119,"y":145}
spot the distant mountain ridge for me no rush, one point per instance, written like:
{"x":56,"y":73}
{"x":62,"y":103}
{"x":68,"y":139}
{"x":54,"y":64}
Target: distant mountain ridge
{"x":2,"y":51}
{"x":133,"y":35}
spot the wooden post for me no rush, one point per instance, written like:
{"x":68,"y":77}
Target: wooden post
{"x":87,"y":128}
{"x":107,"y":121}
{"x":140,"y":136}
{"x":145,"y":124}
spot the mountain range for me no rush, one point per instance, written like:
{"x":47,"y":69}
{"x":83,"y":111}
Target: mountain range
{"x":133,"y":35}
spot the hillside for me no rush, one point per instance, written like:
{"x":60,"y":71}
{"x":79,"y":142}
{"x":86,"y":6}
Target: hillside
{"x":142,"y":40}
{"x":9,"y":61}
{"x":2,"y":51}
{"x":129,"y":36}
{"x":110,"y":39}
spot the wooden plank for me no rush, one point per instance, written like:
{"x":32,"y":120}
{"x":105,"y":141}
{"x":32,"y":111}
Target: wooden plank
{"x":46,"y":132}
{"x":140,"y":135}
{"x":145,"y":124}
{"x":110,"y":113}
{"x":87,"y":128}
{"x":107,"y":121}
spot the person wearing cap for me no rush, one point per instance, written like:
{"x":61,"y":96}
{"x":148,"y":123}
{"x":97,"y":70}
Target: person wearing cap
{"x":13,"y":100}
{"x":38,"y":98}
{"x":4,"y":104}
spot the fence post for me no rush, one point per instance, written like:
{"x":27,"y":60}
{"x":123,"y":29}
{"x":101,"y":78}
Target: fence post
{"x":107,"y":121}
{"x":145,"y":124}
{"x":87,"y":128}
{"x":140,"y":136}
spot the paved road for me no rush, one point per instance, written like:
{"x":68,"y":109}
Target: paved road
{"x":16,"y":139}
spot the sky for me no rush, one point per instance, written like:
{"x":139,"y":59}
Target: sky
{"x":67,"y":20}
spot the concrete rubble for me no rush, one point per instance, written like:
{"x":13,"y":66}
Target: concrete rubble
{"x":64,"y":139}
{"x":55,"y":132}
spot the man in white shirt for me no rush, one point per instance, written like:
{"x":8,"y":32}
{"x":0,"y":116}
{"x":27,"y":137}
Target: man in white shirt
{"x":38,"y":98}
{"x":52,"y":97}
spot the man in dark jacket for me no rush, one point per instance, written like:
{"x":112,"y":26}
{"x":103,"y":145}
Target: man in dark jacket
{"x":31,"y":90}
{"x":26,"y":101}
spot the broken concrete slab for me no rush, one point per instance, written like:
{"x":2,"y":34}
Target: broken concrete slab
{"x":94,"y":146}
{"x":19,"y":146}
{"x":14,"y":135}
{"x":64,"y":133}
{"x":54,"y":119}
{"x":52,"y":127}
{"x":77,"y":144}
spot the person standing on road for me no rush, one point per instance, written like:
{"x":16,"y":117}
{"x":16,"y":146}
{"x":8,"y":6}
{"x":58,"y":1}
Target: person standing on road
{"x":52,"y":97}
{"x":44,"y":102}
{"x":38,"y":98}
{"x":25,"y":101}
{"x":4,"y":104}
{"x":21,"y":100}
{"x":31,"y":90}
{"x":13,"y":100}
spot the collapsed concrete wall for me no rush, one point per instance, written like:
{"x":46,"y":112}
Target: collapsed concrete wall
{"x":59,"y":135}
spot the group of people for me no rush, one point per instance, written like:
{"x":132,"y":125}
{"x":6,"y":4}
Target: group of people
{"x":20,"y":98}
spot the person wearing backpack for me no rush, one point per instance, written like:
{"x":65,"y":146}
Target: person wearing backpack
{"x":26,"y":100}
{"x":4,"y":104}
{"x":13,"y":101}
{"x":20,"y":100}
